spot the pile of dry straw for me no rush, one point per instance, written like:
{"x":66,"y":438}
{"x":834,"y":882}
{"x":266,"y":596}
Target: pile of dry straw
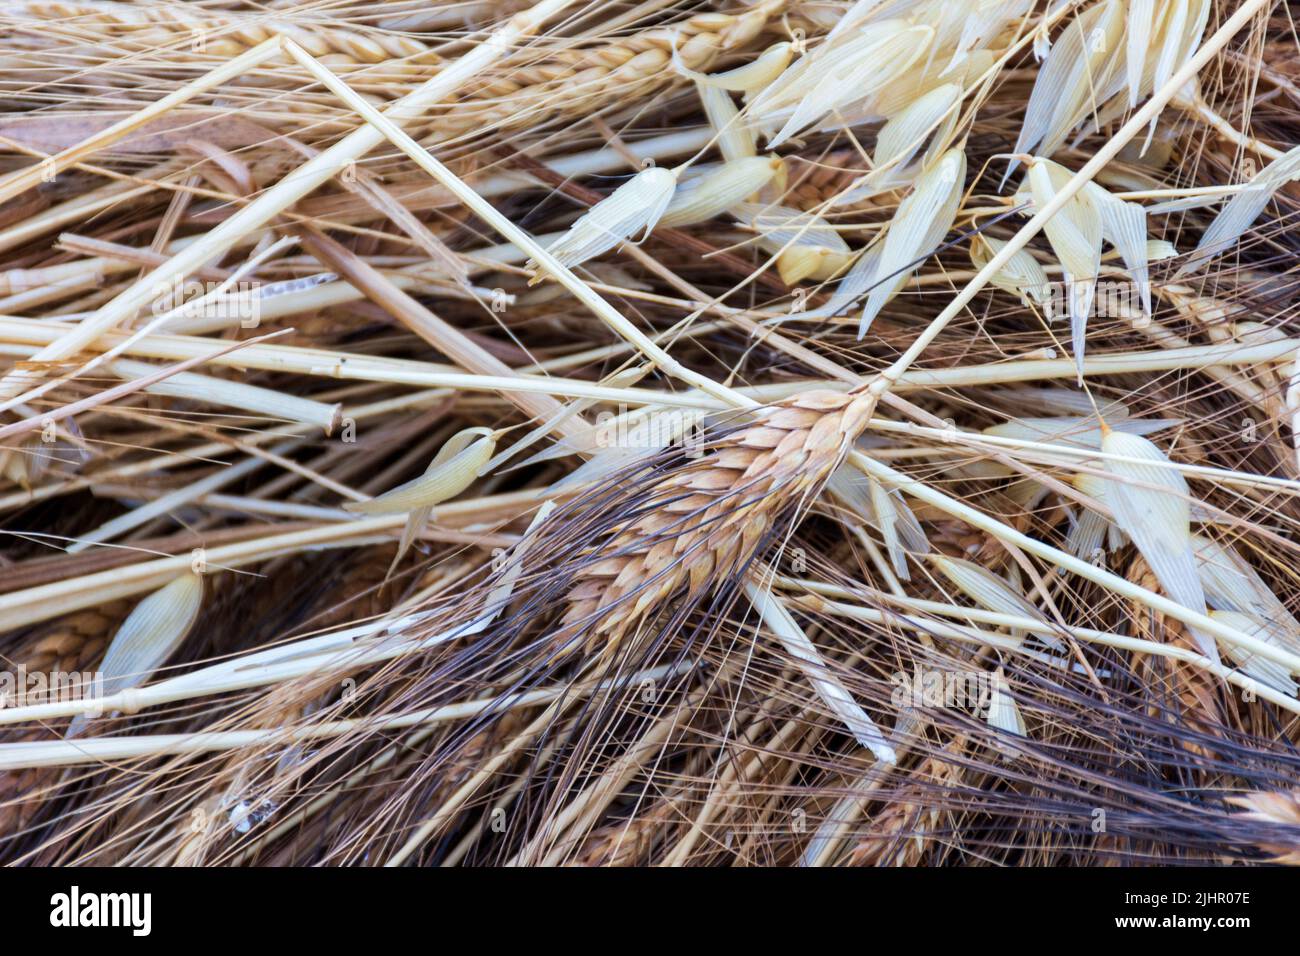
{"x":652,"y":432}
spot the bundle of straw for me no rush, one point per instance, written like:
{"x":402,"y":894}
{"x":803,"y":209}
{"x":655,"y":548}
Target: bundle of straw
{"x":749,"y":432}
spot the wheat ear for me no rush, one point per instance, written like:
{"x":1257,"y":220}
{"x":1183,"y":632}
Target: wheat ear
{"x":703,"y":522}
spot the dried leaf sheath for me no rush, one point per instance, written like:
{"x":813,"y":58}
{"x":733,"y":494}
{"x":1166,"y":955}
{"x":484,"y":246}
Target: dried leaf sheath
{"x":704,"y":521}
